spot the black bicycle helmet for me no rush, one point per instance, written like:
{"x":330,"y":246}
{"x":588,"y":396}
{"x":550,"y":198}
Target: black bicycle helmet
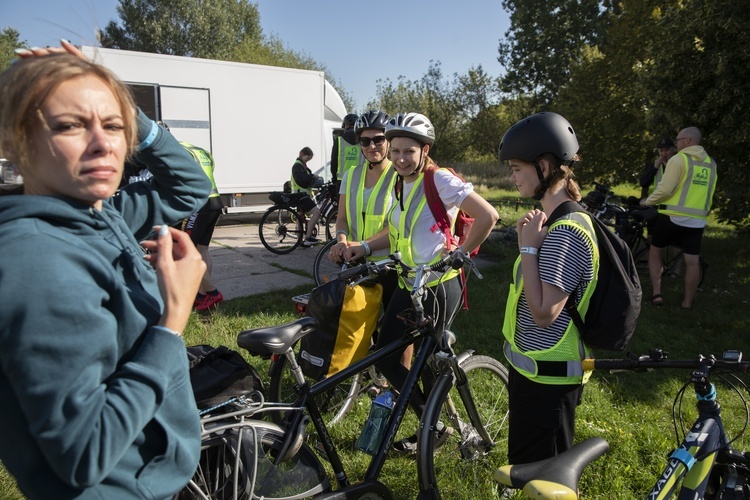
{"x":375,"y":120}
{"x":414,"y":125}
{"x":349,"y":120}
{"x":537,"y":134}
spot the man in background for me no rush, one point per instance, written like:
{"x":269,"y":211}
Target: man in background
{"x":346,"y":152}
{"x":200,"y":226}
{"x":654,"y":171}
{"x":684,"y":197}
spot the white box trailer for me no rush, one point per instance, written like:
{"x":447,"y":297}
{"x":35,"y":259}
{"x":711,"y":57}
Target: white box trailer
{"x":254,"y":119}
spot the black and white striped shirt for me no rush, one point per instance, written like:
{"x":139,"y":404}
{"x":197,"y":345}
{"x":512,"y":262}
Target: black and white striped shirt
{"x":565,"y":261}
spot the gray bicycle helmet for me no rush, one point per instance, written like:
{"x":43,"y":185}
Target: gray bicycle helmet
{"x":414,"y":125}
{"x":537,"y":134}
{"x":349,"y":120}
{"x":375,"y":120}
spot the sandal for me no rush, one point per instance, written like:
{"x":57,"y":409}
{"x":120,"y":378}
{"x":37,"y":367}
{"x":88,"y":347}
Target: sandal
{"x":657,"y":300}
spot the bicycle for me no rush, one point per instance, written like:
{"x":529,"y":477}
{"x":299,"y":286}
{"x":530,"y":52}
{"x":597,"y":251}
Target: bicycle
{"x":477,"y":414}
{"x":282,"y":227}
{"x":703,"y":465}
{"x":635,"y":227}
{"x":631,"y":224}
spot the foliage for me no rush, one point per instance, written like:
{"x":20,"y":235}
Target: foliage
{"x":634,"y":72}
{"x":453,"y":107}
{"x":197,"y":28}
{"x":9,"y":41}
{"x":543,"y":39}
{"x":698,"y":78}
{"x":228,"y":30}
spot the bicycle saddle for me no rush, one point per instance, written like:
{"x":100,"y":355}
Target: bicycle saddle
{"x":275,"y":339}
{"x":555,"y":477}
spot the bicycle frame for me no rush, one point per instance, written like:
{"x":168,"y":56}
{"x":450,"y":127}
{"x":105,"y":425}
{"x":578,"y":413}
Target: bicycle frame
{"x":696,"y":455}
{"x":308,"y":393}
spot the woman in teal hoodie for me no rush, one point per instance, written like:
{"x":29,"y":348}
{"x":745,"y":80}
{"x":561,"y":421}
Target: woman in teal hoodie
{"x":96,"y":397}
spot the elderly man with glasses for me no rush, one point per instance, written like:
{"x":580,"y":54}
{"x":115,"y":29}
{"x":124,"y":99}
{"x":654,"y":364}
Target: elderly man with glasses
{"x":684,"y":198}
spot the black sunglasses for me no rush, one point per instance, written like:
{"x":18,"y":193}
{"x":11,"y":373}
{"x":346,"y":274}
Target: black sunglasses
{"x":378,"y":140}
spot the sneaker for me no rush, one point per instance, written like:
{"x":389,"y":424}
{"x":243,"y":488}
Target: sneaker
{"x":198,"y":299}
{"x":209,"y":301}
{"x":312,"y":240}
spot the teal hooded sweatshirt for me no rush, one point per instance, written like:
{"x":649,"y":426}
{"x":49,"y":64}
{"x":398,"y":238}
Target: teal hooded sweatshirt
{"x":96,"y":402}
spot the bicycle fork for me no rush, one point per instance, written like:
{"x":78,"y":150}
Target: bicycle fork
{"x":474,"y":437}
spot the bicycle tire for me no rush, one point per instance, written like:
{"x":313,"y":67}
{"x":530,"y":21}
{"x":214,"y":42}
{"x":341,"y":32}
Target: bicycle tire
{"x":330,"y":223}
{"x":337,"y":402}
{"x":461,"y":467}
{"x":281,"y":229}
{"x":323,"y":269}
{"x":228,"y":456}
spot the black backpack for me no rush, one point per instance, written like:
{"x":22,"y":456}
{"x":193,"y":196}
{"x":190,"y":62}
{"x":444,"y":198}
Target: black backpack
{"x":616,"y":302}
{"x":218,"y":373}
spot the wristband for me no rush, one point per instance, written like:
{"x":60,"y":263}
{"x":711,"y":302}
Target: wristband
{"x":150,"y":137}
{"x":166,"y":330}
{"x":530,"y":250}
{"x":368,"y":251}
{"x":341,"y":231}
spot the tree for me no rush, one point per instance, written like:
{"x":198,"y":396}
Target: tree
{"x":542,"y":41}
{"x":9,"y":41}
{"x":698,"y":77}
{"x":452,"y":106}
{"x":199,"y":28}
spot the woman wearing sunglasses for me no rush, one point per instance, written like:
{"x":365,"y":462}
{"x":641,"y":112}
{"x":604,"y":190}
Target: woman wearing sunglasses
{"x":413,"y":230}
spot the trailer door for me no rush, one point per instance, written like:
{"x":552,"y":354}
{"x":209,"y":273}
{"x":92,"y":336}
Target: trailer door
{"x":187,"y":112}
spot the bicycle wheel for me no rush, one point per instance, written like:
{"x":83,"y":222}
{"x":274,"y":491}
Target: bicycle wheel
{"x":330,"y":223}
{"x":323,"y":269}
{"x":281,"y":229}
{"x":336,"y":403}
{"x":236,"y":463}
{"x":462,"y":465}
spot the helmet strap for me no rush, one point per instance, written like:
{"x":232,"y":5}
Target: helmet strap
{"x":543,"y":183}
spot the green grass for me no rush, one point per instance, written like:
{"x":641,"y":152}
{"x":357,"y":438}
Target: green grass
{"x":630,"y":410}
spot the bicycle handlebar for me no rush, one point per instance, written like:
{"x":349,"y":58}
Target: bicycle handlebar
{"x":731,"y":361}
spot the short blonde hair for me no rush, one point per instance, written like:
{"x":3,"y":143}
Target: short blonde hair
{"x":26,"y":85}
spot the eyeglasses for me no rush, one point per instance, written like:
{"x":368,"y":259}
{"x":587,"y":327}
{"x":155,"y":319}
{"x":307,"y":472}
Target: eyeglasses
{"x":680,"y":139}
{"x":378,"y":140}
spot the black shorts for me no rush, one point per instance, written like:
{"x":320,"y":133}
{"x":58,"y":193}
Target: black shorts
{"x":200,"y":226}
{"x":668,"y":233}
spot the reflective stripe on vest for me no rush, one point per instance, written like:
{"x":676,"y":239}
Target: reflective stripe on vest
{"x":350,"y":156}
{"x":400,"y":235}
{"x":365,"y":222}
{"x":529,"y":364}
{"x":206,"y":161}
{"x":694,"y":196}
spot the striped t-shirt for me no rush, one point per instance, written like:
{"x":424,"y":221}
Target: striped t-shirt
{"x":565,"y":261}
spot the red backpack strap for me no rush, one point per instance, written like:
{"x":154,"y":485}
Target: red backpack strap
{"x":443,"y":221}
{"x":436,"y":205}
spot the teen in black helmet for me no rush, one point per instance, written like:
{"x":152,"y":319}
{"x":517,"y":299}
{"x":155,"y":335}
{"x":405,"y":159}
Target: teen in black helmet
{"x":542,"y":345}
